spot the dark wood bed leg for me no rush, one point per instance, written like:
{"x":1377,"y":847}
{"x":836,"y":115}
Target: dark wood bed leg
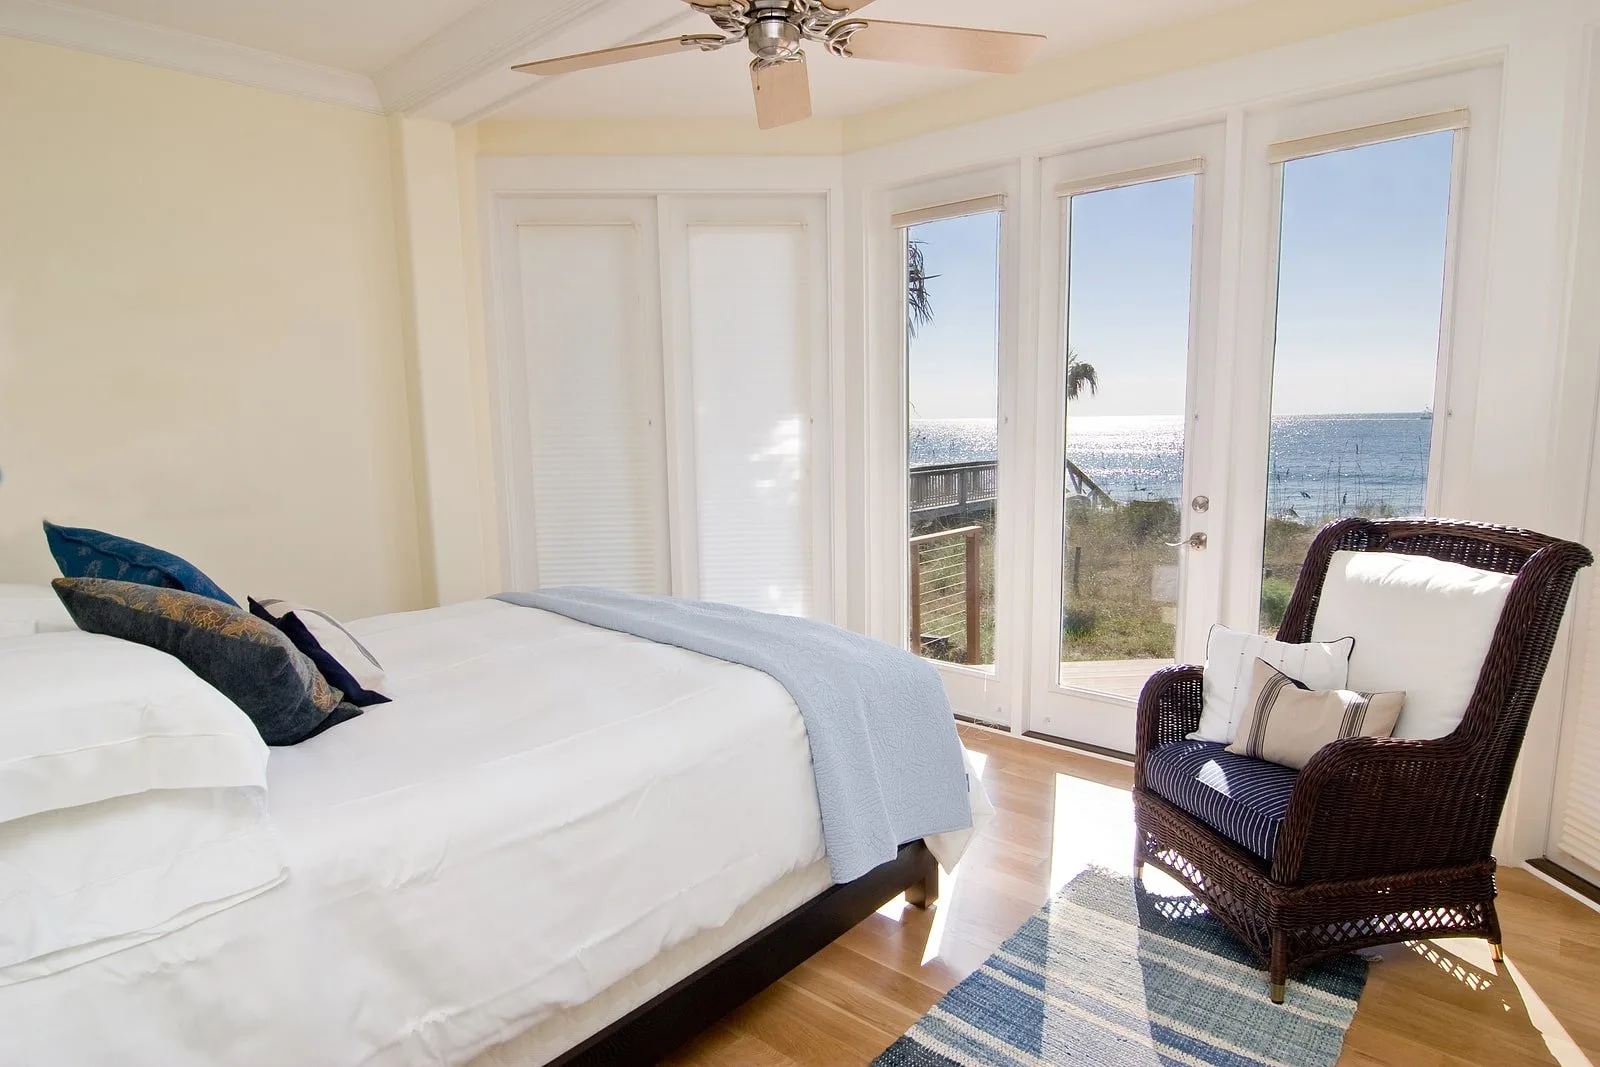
{"x":925,"y":891}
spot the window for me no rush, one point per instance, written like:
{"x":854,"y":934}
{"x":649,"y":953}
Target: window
{"x":953,"y":455}
{"x":1129,"y":275}
{"x":1361,"y":269}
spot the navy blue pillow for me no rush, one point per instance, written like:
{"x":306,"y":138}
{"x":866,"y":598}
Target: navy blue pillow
{"x":247,"y":660}
{"x":82,"y":553}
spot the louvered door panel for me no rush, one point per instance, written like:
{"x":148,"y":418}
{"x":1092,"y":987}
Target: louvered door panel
{"x":750,"y":317}
{"x":592,"y":386}
{"x":1578,"y":829}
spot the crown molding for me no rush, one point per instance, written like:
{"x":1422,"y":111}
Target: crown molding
{"x":482,"y":42}
{"x":111,"y":35}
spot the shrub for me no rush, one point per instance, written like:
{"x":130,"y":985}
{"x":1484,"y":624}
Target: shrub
{"x":1079,"y":622}
{"x":1149,"y":520}
{"x":1275,"y":594}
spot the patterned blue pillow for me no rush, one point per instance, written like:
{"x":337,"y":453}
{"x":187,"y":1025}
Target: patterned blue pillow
{"x":84,"y":553}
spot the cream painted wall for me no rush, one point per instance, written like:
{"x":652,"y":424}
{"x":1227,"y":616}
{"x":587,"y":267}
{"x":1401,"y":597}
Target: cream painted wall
{"x":445,"y":394}
{"x":201,"y":330}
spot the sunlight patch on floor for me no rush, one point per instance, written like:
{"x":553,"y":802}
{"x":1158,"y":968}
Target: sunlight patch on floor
{"x":1093,"y":827}
{"x":1556,"y":1039}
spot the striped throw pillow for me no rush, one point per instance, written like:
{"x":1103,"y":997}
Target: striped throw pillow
{"x":1284,"y":722}
{"x":343,"y":661}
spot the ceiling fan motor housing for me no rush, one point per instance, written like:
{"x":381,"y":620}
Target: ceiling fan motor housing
{"x":771,"y":34}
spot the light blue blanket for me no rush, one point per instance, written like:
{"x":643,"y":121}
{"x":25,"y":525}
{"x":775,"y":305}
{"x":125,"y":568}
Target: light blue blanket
{"x":884,"y":748}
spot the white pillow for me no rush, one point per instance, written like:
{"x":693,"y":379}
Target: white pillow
{"x":79,"y":884}
{"x":28,"y":609}
{"x":1421,"y":625}
{"x":1231,"y":656}
{"x":86,"y":717}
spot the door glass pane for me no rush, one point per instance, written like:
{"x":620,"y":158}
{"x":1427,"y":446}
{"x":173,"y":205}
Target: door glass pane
{"x":953,"y":451}
{"x":1361,"y":266}
{"x":1129,"y":262}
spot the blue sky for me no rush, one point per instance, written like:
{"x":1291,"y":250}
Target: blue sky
{"x":1360,"y":280}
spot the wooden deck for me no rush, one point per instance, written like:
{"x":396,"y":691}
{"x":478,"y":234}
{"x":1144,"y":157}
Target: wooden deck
{"x":1427,"y":1004}
{"x":1119,"y":678}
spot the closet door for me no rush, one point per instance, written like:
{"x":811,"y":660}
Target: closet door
{"x":746,"y":305}
{"x":587,"y":435}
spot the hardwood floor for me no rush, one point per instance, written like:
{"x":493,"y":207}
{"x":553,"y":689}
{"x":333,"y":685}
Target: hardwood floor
{"x":1429,"y":1004}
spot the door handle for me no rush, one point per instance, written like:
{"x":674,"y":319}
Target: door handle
{"x":1195,"y":541}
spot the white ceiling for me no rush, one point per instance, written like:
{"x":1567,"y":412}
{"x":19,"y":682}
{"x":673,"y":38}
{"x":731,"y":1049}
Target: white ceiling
{"x":362,"y":36}
{"x":455,"y":53}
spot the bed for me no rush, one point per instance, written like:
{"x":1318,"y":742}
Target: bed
{"x":530,"y":856}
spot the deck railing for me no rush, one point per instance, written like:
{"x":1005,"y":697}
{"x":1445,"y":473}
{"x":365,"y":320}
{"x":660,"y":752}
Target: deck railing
{"x":961,"y":488}
{"x":946,"y":591}
{"x":953,"y":489}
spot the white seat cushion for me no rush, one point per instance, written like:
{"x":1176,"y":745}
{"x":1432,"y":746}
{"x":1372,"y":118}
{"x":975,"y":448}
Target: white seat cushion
{"x":1421,"y":625}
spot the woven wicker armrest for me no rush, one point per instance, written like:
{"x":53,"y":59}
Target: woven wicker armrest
{"x":1369,"y":806}
{"x":1169,"y":708}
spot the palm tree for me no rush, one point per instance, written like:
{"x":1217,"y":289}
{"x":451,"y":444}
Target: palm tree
{"x":1080,"y":374}
{"x":919,"y":312}
{"x":919,"y":304}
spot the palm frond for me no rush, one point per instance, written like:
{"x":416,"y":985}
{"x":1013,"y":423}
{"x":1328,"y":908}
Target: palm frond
{"x":919,"y":304}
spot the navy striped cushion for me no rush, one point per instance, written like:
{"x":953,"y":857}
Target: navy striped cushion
{"x":1242,"y":798}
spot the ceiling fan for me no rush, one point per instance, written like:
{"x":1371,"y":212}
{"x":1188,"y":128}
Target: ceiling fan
{"x":777,"y":30}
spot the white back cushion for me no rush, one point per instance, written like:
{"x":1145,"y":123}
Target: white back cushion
{"x":1231,"y":657}
{"x":1421,"y":625}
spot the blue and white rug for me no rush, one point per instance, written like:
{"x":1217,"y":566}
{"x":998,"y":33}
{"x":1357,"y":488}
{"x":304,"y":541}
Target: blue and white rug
{"x":1111,"y":975}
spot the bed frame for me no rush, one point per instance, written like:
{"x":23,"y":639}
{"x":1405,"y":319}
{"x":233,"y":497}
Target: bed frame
{"x":659,"y":1026}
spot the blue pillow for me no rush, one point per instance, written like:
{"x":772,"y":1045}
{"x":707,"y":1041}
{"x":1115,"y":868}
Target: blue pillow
{"x":92,"y":554}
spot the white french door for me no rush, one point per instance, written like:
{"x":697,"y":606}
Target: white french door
{"x":1127,"y":482}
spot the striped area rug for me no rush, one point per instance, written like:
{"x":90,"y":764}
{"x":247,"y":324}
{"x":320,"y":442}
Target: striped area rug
{"x":1110,"y":975}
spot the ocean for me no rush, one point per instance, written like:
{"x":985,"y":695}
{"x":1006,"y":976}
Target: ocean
{"x":1322,"y":466}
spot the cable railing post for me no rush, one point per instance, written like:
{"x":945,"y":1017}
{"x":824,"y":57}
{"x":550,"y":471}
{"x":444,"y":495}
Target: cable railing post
{"x":974,"y":637}
{"x":916,"y":598}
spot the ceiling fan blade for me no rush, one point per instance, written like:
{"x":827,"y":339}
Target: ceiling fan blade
{"x":607,"y":56}
{"x":992,"y":51}
{"x":783,"y":93}
{"x":847,"y":6}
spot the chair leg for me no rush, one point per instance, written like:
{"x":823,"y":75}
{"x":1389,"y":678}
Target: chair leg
{"x":1278,"y":968}
{"x":1496,"y":952}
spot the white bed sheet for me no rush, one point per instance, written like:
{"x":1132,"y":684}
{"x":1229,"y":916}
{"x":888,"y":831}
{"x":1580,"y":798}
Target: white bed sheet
{"x":543,"y":810}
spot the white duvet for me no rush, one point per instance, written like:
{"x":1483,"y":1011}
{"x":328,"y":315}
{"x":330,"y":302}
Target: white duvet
{"x":543,"y":809}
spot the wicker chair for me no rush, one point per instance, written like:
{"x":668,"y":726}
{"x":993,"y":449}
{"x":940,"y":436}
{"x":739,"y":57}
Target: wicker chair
{"x":1383,"y":840}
